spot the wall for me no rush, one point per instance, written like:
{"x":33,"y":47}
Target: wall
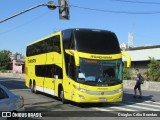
{"x":16,"y":68}
{"x":152,"y":86}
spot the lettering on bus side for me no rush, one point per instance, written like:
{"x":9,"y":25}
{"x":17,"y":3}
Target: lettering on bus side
{"x":101,"y":57}
{"x":32,"y":61}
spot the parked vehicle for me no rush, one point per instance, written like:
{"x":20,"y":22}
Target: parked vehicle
{"x":10,"y":102}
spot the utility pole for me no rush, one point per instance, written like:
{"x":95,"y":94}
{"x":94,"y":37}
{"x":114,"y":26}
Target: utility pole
{"x":63,"y":10}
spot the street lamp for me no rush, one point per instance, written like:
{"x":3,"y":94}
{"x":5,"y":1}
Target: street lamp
{"x":51,"y":5}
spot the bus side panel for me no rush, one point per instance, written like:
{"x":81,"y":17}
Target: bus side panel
{"x":32,"y":71}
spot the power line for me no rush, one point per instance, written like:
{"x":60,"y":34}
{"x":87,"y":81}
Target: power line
{"x":116,"y":12}
{"x":26,"y":23}
{"x":139,"y":2}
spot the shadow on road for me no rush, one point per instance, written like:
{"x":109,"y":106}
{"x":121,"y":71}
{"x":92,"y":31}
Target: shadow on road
{"x":13,"y":83}
{"x":127,"y":96}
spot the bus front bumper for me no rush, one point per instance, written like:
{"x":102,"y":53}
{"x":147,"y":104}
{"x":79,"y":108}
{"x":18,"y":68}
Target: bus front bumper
{"x":88,"y":98}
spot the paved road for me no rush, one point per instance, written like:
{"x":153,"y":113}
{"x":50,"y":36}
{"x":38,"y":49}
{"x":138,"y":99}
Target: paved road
{"x":42,"y":102}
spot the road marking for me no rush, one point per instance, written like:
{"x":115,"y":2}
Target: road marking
{"x":151,"y":105}
{"x":134,"y":107}
{"x":153,"y":102}
{"x":115,"y":109}
{"x":122,"y":108}
{"x":20,"y":90}
{"x":139,"y":107}
{"x":102,"y":109}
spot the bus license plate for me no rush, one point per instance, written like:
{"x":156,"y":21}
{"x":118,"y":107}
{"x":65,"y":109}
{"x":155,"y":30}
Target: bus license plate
{"x":102,"y":99}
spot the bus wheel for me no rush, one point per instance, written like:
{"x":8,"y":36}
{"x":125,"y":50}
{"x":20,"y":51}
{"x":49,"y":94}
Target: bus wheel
{"x":64,"y":101}
{"x":34,"y":87}
{"x":30,"y":84}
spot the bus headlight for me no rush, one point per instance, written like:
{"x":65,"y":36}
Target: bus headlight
{"x":118,"y":90}
{"x":82,"y":97}
{"x":80,"y":89}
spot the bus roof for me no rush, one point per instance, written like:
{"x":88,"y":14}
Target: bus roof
{"x":85,"y":29}
{"x":44,"y":38}
{"x":69,"y":30}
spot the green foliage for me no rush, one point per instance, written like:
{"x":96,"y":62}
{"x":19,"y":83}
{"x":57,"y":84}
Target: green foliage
{"x":5,"y":60}
{"x":126,"y":72}
{"x":3,"y":71}
{"x":153,"y":70}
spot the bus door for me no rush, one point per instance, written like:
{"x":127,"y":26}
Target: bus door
{"x":54,"y":62}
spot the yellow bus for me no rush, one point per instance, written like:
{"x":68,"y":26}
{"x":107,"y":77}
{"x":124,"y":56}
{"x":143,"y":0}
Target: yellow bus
{"x":80,"y":65}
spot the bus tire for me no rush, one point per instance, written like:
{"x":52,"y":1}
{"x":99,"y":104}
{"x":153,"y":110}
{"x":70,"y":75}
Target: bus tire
{"x":64,"y":101}
{"x":30,"y":83}
{"x":34,"y":87}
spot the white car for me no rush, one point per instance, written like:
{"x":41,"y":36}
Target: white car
{"x":9,"y":102}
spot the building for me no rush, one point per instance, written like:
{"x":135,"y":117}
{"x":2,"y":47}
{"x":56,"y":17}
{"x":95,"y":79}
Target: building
{"x":18,"y":63}
{"x":140,"y":57}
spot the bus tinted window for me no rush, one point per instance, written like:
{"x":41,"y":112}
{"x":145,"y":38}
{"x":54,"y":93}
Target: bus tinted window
{"x":56,"y":44}
{"x":98,"y":42}
{"x":49,"y":45}
{"x":68,"y":40}
{"x":48,"y":71}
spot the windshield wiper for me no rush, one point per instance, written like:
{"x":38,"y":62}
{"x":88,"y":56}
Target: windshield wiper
{"x":111,"y":81}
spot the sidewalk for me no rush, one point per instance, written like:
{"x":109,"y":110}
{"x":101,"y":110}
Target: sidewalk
{"x":12,"y":75}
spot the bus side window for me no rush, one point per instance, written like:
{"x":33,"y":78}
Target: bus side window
{"x":72,"y":44}
{"x":49,"y":44}
{"x":58,"y":71}
{"x":72,"y":68}
{"x":56,"y":44}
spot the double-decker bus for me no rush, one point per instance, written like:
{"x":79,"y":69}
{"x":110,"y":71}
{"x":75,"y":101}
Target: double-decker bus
{"x":80,"y":65}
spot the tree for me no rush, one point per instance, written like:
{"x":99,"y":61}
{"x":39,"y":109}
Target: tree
{"x":153,"y":70}
{"x":5,"y":60}
{"x":126,"y":72}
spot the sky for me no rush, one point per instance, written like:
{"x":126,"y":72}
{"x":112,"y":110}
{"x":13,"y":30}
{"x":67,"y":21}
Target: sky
{"x":17,"y":32}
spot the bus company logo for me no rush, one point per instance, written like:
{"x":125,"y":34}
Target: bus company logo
{"x":102,"y":93}
{"x":102,"y":89}
{"x":101,"y":57}
{"x":32,"y":61}
{"x":6,"y":114}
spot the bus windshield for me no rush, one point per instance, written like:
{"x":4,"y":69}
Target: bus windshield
{"x":96,"y":42}
{"x":100,"y":72}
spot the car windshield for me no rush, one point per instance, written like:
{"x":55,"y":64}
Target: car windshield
{"x":100,"y":72}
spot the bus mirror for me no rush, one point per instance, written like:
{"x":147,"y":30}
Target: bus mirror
{"x":76,"y":57}
{"x":70,"y":52}
{"x":128,"y":59}
{"x":73,"y":53}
